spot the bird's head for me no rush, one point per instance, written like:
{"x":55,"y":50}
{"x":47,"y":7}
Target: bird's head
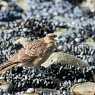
{"x":50,"y":38}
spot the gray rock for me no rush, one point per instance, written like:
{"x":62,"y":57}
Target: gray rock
{"x":64,"y":58}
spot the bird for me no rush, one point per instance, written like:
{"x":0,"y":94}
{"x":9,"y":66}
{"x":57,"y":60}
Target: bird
{"x":32,"y":53}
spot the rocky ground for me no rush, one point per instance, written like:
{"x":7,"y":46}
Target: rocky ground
{"x":75,"y":25}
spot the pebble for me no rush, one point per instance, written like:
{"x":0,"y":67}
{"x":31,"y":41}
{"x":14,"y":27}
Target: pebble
{"x":30,"y":90}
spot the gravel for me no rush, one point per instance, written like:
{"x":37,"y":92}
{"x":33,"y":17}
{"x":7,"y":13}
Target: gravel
{"x":57,"y":76}
{"x":47,"y":16}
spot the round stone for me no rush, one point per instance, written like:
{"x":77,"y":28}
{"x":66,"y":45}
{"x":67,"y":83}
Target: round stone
{"x":30,"y":90}
{"x":87,"y":88}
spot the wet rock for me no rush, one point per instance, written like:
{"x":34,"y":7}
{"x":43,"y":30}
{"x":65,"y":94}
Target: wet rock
{"x":86,"y":88}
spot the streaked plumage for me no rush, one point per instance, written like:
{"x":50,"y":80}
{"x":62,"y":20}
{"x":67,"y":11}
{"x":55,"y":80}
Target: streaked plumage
{"x":32,"y":54}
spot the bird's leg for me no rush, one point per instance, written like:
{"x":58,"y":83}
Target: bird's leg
{"x":37,"y":62}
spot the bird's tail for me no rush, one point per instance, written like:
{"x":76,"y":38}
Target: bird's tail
{"x":7,"y":66}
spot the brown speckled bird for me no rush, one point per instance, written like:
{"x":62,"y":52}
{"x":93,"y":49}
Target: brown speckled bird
{"x":32,"y":54}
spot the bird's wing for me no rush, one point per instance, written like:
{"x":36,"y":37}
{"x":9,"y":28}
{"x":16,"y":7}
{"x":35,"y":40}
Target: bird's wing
{"x":18,"y":58}
{"x":36,"y":48}
{"x":22,"y":57}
